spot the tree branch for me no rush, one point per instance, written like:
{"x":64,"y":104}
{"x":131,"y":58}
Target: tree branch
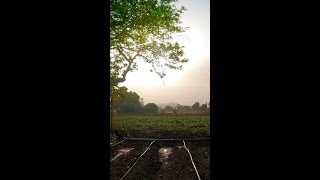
{"x":123,"y":78}
{"x":120,"y":50}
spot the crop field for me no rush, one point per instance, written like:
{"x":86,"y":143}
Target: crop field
{"x":160,"y":159}
{"x":162,"y":126}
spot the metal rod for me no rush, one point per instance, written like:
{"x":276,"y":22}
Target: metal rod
{"x":137,"y":160}
{"x":152,"y":139}
{"x":117,"y":143}
{"x":191,"y":160}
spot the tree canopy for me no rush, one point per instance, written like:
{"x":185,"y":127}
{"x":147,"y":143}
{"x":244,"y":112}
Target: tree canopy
{"x":144,"y":30}
{"x":128,"y":102}
{"x":186,"y":108}
{"x":168,"y":109}
{"x":179,"y":108}
{"x":204,"y":107}
{"x":196,"y":106}
{"x":151,"y":108}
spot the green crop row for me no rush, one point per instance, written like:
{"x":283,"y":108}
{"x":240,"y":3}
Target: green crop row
{"x":162,"y":124}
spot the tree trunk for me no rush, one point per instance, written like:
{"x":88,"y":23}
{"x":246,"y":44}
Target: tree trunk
{"x":111,"y":113}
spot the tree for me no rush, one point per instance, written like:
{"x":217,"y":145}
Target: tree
{"x":196,"y":106}
{"x":115,"y":94}
{"x":143,"y":30}
{"x":179,"y":108}
{"x":161,"y":110}
{"x":203,"y":107}
{"x":186,"y":108}
{"x":128,"y":102}
{"x":151,"y":108}
{"x":168,"y":109}
{"x":175,"y":110}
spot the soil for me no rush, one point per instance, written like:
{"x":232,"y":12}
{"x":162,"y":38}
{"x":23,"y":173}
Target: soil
{"x":154,"y":164}
{"x":200,"y":152}
{"x":122,"y":164}
{"x":161,"y":134}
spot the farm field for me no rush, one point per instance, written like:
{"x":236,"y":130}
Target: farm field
{"x":160,"y":160}
{"x":161,"y":126}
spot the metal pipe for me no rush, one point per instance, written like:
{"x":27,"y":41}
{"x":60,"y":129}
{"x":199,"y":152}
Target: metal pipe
{"x":137,"y":160}
{"x":117,"y":143}
{"x":191,"y":160}
{"x":152,"y":139}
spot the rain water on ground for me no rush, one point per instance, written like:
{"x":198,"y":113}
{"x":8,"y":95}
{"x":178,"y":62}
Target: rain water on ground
{"x":164,"y":154}
{"x":121,"y":152}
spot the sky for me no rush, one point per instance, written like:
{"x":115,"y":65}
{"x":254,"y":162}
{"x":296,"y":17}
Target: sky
{"x":192,"y":83}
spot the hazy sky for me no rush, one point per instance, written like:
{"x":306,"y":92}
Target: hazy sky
{"x":192,"y":83}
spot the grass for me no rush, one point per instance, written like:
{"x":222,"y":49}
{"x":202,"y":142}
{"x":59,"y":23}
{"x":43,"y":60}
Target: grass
{"x":162,"y":125}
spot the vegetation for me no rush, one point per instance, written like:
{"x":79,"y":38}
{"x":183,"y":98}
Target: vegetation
{"x":203,"y":107}
{"x":179,"y":108}
{"x":168,"y":109}
{"x":187,"y":109}
{"x":196,"y":106}
{"x":128,"y":102}
{"x":151,"y":108}
{"x":143,"y":30}
{"x":161,"y":125}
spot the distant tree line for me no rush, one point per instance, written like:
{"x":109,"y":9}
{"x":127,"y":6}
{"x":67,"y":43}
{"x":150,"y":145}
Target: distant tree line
{"x":129,"y":102}
{"x":195,"y":108}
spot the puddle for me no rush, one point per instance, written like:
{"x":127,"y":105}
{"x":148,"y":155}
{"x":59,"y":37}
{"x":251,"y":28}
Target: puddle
{"x":125,"y":150}
{"x":164,"y":154}
{"x":121,"y":152}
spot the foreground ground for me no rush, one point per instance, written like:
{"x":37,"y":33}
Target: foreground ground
{"x":163,"y":161}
